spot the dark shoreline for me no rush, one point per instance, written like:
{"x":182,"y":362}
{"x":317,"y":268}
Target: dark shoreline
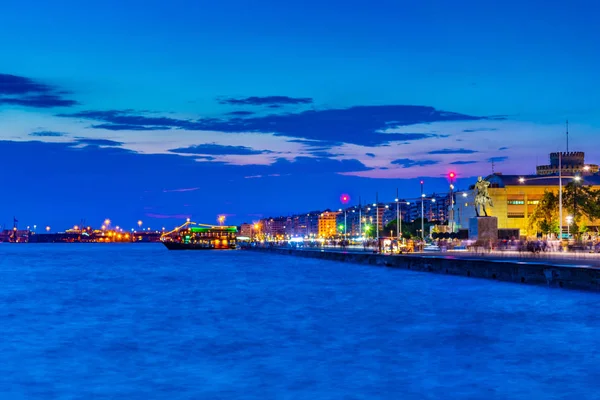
{"x":532,"y":272}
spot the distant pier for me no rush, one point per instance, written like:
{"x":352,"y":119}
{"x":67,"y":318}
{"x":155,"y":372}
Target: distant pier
{"x":573,"y":273}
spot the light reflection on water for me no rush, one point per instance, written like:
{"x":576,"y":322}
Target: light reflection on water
{"x":137,"y":321}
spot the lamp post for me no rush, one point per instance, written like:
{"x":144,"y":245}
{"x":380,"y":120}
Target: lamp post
{"x":451,"y":177}
{"x":377,"y":221}
{"x":398,"y":223}
{"x":359,"y":218}
{"x":344,"y":222}
{"x":560,"y":206}
{"x":569,"y":221}
{"x":422,"y":213}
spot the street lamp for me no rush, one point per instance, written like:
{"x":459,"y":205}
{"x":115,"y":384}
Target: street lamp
{"x":451,"y":177}
{"x":344,"y":222}
{"x":569,"y":221}
{"x":422,"y":212}
{"x":140,"y":224}
{"x":377,"y":221}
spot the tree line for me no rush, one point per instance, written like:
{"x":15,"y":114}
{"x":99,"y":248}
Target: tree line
{"x":580,"y":202}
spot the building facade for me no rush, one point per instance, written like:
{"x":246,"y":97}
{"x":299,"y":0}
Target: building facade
{"x":514,"y":199}
{"x":328,"y":224}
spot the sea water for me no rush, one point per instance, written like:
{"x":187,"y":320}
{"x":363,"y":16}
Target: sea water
{"x":136,"y":321}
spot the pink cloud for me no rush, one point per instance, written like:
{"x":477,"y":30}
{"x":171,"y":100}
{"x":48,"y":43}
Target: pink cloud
{"x":180,"y":190}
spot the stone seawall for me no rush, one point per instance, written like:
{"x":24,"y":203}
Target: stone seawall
{"x":533,"y":273}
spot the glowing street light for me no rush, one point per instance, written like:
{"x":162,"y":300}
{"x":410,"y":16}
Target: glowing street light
{"x":140,"y":224}
{"x":569,"y":222}
{"x":221,"y":219}
{"x":47,"y":229}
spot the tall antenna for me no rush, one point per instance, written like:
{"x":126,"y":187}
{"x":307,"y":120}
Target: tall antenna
{"x":567,"y":136}
{"x":492,"y":166}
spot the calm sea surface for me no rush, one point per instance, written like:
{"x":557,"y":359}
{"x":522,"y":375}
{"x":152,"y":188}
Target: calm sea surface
{"x":140,"y":322}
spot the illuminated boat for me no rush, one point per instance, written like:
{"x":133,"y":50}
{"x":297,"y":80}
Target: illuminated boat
{"x":192,"y":236}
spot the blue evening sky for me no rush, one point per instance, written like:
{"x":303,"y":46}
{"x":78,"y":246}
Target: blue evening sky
{"x":161,"y":110}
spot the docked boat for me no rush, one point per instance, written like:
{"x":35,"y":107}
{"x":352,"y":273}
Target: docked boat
{"x":192,"y":236}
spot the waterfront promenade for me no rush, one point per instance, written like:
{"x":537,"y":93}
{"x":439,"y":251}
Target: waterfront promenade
{"x":564,"y":270}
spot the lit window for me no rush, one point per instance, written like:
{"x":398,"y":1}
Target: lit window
{"x":516,"y":202}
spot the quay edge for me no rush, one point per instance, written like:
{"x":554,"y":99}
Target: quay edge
{"x":532,"y":273}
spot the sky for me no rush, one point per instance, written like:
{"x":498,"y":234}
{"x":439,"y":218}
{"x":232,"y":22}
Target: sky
{"x":159,"y":111}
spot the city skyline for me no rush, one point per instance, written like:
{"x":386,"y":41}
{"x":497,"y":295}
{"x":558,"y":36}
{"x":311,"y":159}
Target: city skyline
{"x":133,"y":111}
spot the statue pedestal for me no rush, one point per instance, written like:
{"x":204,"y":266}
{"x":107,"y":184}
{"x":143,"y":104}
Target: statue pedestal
{"x":483,"y":229}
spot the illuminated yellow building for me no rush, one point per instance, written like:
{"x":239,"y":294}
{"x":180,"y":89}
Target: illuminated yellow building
{"x":328,"y":224}
{"x":515,"y":197}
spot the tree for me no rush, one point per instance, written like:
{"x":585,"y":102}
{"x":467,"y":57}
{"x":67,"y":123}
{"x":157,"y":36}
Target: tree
{"x":544,"y":217}
{"x":581,"y":201}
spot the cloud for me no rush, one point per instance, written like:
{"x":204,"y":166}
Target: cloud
{"x":127,"y":120}
{"x":181,"y":190}
{"x":370,"y":155}
{"x":267,"y":100}
{"x":116,"y":127}
{"x":453,"y":151}
{"x":305,"y":166}
{"x":217,"y":149}
{"x":407,"y":162}
{"x":240,"y":113}
{"x":361,"y":125}
{"x":463,"y":162}
{"x":99,"y":142}
{"x":47,"y":134}
{"x":21,"y":91}
{"x":503,"y":148}
{"x":497,"y":159}
{"x":483,"y":129}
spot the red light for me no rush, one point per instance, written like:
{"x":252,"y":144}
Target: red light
{"x":451,"y":175}
{"x":344,"y":198}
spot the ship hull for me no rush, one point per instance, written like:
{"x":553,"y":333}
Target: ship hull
{"x":192,"y":246}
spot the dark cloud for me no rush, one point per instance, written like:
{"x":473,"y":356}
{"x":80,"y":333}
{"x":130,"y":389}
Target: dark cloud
{"x":453,"y":151}
{"x":126,"y":119}
{"x":217,"y":149}
{"x":484,"y":129}
{"x":98,"y":142}
{"x":22,"y":91}
{"x":116,"y":127}
{"x":267,"y":100}
{"x":361,"y":125}
{"x":463,"y":162}
{"x":503,"y":148}
{"x":370,"y":155}
{"x":309,"y":165}
{"x":47,"y":134}
{"x":497,"y":159}
{"x":240,"y":113}
{"x":407,"y":162}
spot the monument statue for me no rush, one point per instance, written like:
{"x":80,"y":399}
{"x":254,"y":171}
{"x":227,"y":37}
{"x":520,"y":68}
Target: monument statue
{"x":482,"y":197}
